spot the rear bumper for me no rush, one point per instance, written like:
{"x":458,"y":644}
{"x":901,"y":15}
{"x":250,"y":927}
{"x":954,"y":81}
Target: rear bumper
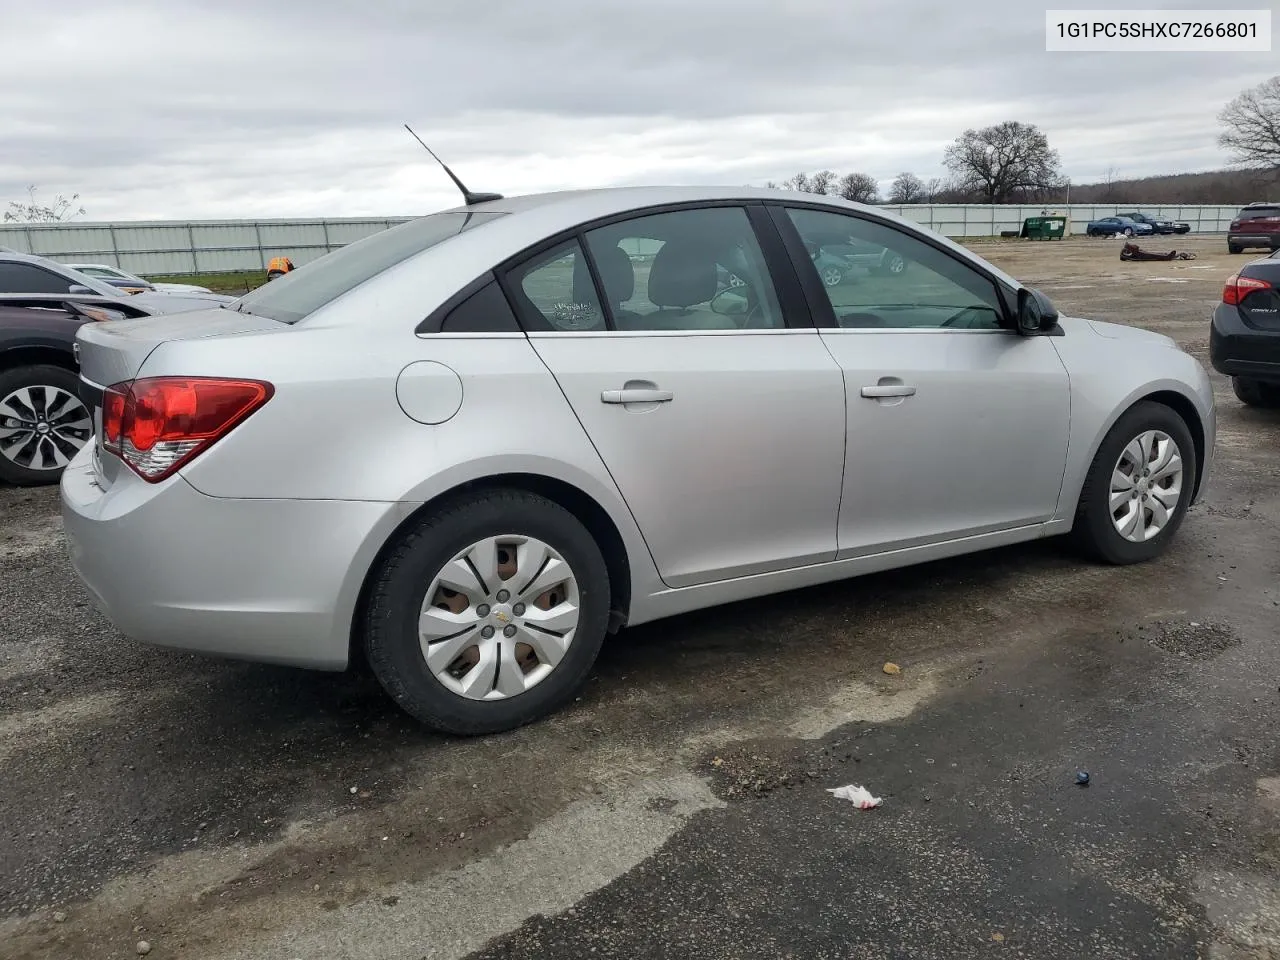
{"x":1271,"y":240}
{"x":269,"y":580}
{"x":1238,"y":350}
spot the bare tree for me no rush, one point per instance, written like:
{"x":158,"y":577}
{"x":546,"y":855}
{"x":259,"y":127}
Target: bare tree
{"x":799,"y":182}
{"x":932,"y":188}
{"x":1252,"y":126}
{"x":1003,"y":161}
{"x":34,"y":212}
{"x":859,"y":187}
{"x":907,"y":188}
{"x":824,"y":181}
{"x":1109,"y":184}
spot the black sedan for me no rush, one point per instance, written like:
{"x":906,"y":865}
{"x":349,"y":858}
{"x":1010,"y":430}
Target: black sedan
{"x":43,"y":423}
{"x":1159,"y":224}
{"x":1244,"y":339}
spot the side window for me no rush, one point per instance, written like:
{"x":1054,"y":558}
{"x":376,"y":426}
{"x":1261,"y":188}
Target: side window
{"x":558,"y":292}
{"x":485,"y":311}
{"x":25,"y":278}
{"x":880,"y":277}
{"x":685,"y":270}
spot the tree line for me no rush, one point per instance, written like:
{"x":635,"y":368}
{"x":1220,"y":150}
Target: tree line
{"x":1012,"y":162}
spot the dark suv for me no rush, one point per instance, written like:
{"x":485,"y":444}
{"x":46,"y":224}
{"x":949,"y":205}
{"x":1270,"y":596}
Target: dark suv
{"x":1244,"y":339}
{"x":1257,"y":225}
{"x":1159,"y":224}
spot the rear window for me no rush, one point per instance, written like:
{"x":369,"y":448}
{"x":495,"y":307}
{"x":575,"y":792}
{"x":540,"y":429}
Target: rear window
{"x":303,"y":291}
{"x":1257,"y":213}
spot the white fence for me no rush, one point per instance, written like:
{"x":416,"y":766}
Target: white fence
{"x":168,"y":248}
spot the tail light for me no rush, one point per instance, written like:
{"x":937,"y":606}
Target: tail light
{"x":159,"y":424}
{"x":1239,"y":287}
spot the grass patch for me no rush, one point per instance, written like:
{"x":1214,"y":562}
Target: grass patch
{"x":230,"y":284}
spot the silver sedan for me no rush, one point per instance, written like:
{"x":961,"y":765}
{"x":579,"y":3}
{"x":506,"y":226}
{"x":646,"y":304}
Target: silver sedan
{"x":471,"y":447}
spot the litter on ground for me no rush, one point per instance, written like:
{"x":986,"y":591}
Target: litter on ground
{"x":860,"y":796}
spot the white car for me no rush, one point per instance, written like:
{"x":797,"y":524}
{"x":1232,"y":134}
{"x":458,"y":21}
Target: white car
{"x":118,"y":278}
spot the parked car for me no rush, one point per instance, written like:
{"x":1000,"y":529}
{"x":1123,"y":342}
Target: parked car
{"x":1110,"y":226}
{"x":1244,"y":338}
{"x":128,"y":281}
{"x":1257,"y":225}
{"x":1158,"y":224}
{"x":43,"y":422}
{"x":22,"y":273}
{"x":471,"y":446}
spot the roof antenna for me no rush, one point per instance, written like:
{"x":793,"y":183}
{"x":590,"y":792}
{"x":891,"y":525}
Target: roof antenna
{"x":467,"y":196}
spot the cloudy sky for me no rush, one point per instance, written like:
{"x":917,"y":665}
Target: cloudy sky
{"x":197,"y":108}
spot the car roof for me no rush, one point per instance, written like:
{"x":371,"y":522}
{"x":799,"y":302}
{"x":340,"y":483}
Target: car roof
{"x":547,"y":214}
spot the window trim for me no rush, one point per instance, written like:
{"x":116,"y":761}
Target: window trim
{"x":824,"y":315}
{"x":781,"y":273}
{"x":520,"y":301}
{"x":433,"y":321}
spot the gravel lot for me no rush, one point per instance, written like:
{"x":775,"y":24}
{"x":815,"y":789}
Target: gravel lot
{"x":222,"y":810}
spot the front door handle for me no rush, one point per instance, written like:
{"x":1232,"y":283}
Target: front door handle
{"x":636,"y":395}
{"x":889,"y":390}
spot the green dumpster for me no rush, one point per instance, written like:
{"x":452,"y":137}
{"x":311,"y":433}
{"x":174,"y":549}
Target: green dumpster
{"x":1044,"y":228}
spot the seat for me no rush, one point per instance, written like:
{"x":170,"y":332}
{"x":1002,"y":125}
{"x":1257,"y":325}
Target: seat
{"x":682,"y":274}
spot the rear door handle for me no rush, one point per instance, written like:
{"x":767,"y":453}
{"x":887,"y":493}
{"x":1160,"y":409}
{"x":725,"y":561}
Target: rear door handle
{"x":889,"y":390}
{"x":636,"y":395}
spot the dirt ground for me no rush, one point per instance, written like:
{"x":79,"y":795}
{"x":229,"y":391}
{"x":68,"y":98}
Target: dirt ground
{"x":218,"y":810}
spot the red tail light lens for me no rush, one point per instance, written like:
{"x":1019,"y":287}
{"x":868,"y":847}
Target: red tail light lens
{"x":159,"y":424}
{"x":1239,"y":287}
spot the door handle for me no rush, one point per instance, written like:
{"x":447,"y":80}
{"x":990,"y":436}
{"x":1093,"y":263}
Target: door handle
{"x":636,"y":395}
{"x":889,"y":390}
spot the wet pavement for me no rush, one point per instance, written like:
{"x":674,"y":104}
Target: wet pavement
{"x":680,"y":808}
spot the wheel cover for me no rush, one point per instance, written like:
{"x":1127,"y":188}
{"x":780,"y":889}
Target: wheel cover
{"x":897,"y":265}
{"x":499,"y":618}
{"x":831,"y":276}
{"x":1146,"y":486}
{"x":42,"y":427}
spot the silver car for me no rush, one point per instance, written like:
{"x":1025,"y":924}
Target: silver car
{"x":471,"y":447}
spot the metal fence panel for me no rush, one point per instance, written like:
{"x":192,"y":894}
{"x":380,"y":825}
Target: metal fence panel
{"x":168,"y":248}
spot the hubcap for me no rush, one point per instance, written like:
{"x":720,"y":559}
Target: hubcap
{"x":42,"y":427}
{"x":897,"y":265}
{"x":831,"y":277}
{"x":499,"y":618}
{"x":1146,"y":486}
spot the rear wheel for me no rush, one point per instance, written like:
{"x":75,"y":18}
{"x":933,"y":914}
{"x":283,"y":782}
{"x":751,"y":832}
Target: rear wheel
{"x":1138,"y":488}
{"x":1255,"y":393}
{"x":1234,"y":248}
{"x":831,"y":276}
{"x":43,"y":423}
{"x":489,"y":613}
{"x":1128,"y":231}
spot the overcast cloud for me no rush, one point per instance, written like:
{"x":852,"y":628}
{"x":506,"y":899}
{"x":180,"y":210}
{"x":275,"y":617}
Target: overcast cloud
{"x":279,"y":108}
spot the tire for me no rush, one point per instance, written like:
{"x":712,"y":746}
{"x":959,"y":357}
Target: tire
{"x":1094,"y":530}
{"x":1255,"y":393}
{"x":1234,"y":248}
{"x":1128,"y":231}
{"x":398,"y":593}
{"x":832,"y":276}
{"x":894,"y":265}
{"x":61,"y":436}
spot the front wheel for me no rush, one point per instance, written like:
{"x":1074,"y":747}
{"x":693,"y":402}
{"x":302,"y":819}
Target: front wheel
{"x":1139,"y":485}
{"x":489,"y":613}
{"x":43,"y":423}
{"x":1128,"y":231}
{"x":1255,"y":393}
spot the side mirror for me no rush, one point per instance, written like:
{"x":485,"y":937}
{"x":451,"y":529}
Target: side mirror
{"x":729,"y":302}
{"x":1036,"y":313}
{"x":80,"y":290}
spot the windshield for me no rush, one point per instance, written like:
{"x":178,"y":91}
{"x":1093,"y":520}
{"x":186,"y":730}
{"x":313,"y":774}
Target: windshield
{"x":303,"y":291}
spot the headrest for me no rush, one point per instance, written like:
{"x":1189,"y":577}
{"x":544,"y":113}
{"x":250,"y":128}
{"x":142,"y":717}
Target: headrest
{"x":682,"y":274}
{"x":616,"y":273}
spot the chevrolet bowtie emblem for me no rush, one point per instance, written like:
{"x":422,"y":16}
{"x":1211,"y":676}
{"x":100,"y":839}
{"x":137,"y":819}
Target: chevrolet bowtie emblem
{"x":502,"y":615}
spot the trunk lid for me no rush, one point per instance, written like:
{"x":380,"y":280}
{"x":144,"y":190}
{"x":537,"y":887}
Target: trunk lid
{"x":115,"y":351}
